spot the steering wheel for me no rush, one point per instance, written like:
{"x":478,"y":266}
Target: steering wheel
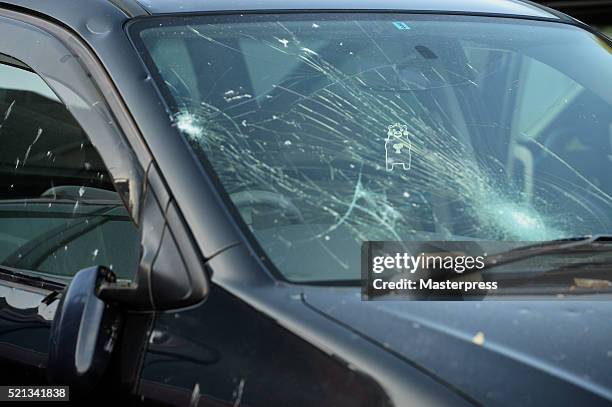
{"x":253,"y":198}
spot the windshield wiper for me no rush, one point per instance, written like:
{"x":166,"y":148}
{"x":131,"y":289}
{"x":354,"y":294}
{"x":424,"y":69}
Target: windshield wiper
{"x":572,"y":245}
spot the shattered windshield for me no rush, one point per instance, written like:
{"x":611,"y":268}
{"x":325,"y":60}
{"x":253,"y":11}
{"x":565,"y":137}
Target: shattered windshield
{"x":327,"y":130}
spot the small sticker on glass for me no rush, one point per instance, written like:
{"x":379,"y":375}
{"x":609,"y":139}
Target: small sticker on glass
{"x":400,"y":25}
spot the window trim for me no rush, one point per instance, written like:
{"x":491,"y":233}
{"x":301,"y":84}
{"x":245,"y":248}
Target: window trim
{"x":7,"y":60}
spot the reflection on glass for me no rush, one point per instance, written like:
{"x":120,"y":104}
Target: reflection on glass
{"x":509,"y":129}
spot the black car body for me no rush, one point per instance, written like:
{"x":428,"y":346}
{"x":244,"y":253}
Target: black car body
{"x":597,"y":13}
{"x":257,"y":338}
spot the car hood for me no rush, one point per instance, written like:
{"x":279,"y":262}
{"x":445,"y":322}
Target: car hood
{"x":495,"y":352}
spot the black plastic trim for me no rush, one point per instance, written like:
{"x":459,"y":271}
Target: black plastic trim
{"x":553,"y":17}
{"x":131,"y":8}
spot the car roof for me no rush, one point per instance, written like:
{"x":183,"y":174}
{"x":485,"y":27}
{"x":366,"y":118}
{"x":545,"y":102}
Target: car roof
{"x":508,"y":7}
{"x":62,"y":9}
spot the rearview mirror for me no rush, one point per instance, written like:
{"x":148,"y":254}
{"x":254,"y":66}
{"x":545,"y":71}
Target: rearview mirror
{"x":84,"y":331}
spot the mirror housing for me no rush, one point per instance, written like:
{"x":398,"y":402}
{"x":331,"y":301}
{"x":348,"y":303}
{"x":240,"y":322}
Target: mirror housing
{"x":83,"y":332}
{"x":171,"y":273}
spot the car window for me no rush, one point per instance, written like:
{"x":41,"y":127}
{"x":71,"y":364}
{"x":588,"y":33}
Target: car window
{"x":334,"y":129}
{"x":59,"y":212}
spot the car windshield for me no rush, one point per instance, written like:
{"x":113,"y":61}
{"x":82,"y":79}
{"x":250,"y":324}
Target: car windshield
{"x":330,"y":129}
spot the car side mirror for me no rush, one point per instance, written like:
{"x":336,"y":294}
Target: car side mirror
{"x":83,"y":332}
{"x":171,"y":274}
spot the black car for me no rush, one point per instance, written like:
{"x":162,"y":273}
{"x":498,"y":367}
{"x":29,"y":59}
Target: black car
{"x":597,"y":13}
{"x":186,"y":186}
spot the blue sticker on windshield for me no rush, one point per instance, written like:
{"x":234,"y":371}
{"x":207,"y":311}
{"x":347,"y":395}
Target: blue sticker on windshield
{"x":401,"y":25}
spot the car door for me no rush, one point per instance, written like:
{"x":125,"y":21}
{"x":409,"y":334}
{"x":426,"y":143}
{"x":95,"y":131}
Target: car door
{"x":59,"y":213}
{"x":60,"y":207}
